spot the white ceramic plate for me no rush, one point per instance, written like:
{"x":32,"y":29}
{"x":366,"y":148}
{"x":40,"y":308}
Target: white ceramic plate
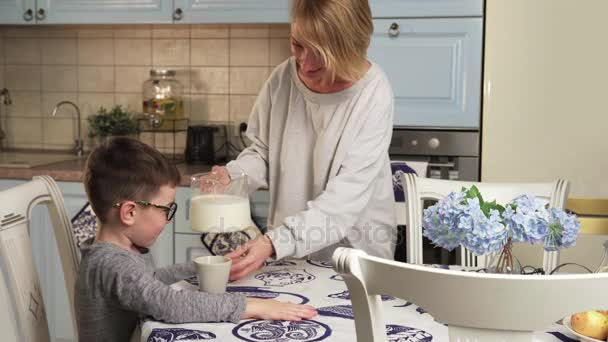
{"x":566,"y":322}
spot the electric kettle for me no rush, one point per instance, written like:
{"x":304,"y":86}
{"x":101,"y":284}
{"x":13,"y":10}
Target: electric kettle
{"x":200,"y":146}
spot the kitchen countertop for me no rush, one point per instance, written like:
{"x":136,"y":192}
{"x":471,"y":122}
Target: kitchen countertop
{"x":72,"y":171}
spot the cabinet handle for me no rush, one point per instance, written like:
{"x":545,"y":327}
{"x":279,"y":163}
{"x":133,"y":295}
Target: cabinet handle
{"x":177,"y":14}
{"x":41,"y":14}
{"x":187,"y":208}
{"x":393,"y":31}
{"x":28,"y":15}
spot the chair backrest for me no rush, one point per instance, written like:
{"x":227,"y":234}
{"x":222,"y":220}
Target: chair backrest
{"x":84,"y":224}
{"x":419,"y":189}
{"x":486,"y":307}
{"x":17,"y":260}
{"x":398,"y":169}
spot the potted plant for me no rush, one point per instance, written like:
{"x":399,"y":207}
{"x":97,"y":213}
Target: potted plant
{"x":115,"y":122}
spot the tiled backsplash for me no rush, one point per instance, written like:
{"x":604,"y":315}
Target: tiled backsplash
{"x":222,"y":68}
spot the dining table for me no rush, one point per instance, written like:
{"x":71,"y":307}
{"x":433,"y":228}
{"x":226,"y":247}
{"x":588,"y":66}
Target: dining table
{"x":313,"y":283}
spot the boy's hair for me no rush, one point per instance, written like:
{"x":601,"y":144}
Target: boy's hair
{"x":125,"y":169}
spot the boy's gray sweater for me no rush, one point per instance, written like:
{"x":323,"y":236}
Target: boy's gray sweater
{"x":116,"y":287}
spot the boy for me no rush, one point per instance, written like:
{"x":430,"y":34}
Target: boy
{"x":131,"y":188}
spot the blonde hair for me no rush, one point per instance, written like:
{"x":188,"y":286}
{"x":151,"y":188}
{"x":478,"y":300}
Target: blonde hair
{"x":339,"y":31}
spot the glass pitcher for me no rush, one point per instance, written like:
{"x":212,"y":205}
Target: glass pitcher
{"x":219,"y":208}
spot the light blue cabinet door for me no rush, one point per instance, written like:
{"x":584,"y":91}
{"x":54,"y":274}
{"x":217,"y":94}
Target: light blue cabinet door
{"x":182,"y":216}
{"x":104,"y":11}
{"x":17,"y":11}
{"x":426,"y":8}
{"x":434,"y":66}
{"x":233,"y":11}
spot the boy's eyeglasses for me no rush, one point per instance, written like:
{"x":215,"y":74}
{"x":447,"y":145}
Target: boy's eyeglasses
{"x":168,"y":209}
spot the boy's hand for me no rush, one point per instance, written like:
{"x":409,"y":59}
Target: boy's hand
{"x":216,"y":181}
{"x":250,"y":257}
{"x":271,"y":309}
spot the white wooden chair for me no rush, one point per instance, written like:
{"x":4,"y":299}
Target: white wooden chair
{"x":486,"y":307}
{"x":20,"y":286}
{"x":419,"y":189}
{"x":399,"y":168}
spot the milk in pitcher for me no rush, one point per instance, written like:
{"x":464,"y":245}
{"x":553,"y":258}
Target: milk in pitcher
{"x":219,"y":213}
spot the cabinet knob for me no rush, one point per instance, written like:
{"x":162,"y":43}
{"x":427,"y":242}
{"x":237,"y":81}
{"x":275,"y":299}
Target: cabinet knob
{"x":41,"y":14}
{"x":178,"y":14}
{"x":28,"y":15}
{"x":393,"y":31}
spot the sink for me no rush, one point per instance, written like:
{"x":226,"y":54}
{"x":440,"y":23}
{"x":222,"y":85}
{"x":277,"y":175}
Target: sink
{"x":32,"y":159}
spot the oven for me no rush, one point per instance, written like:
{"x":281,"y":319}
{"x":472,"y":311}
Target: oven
{"x":450,"y":154}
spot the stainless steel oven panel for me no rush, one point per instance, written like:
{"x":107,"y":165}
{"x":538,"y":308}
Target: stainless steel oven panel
{"x":434,"y":143}
{"x":468,"y":168}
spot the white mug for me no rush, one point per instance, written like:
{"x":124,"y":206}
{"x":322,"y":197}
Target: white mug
{"x":213,"y":273}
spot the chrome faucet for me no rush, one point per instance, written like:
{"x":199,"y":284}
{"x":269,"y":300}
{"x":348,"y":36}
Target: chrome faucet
{"x":6,"y":95}
{"x":7,"y":101}
{"x":78,"y":141}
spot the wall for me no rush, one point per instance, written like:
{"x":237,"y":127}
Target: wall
{"x":545,"y":90}
{"x":221,"y":66}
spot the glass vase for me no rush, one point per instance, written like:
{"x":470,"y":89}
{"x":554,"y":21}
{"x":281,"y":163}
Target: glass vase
{"x":504,"y":261}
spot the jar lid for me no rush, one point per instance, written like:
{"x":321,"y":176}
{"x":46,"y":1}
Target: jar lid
{"x":162,"y":72}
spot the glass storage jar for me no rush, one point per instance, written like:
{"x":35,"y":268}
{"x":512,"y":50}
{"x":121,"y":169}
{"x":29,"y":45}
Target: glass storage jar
{"x":162,"y":97}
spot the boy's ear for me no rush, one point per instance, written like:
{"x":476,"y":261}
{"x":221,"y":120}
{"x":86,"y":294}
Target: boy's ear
{"x":127,"y":213}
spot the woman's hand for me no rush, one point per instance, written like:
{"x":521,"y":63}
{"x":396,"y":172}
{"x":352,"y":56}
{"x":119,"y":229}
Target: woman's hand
{"x":250,"y":257}
{"x":216,"y":181}
{"x":274,"y":310}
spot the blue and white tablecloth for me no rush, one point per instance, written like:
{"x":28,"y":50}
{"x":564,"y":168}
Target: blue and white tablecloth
{"x":316,"y":284}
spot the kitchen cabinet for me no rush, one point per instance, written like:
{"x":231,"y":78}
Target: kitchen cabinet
{"x":434,"y":66}
{"x":143,"y":11}
{"x":426,"y":8}
{"x":231,"y":11}
{"x":182,"y":216}
{"x":17,"y":11}
{"x":189,"y":246}
{"x":103,"y":11}
{"x":85,"y":12}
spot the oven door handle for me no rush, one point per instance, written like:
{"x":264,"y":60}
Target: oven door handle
{"x":442,"y":164}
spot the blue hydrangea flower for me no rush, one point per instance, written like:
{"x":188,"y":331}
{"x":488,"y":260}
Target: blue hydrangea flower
{"x":440,"y":221}
{"x":487,"y":234}
{"x":526,"y":219}
{"x":459,"y":220}
{"x":563,"y":230}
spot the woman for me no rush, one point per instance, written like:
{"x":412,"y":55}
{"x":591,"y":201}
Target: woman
{"x":320,"y":131}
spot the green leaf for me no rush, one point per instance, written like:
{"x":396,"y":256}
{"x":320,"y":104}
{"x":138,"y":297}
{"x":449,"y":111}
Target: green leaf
{"x":485,"y":208}
{"x":474,"y":193}
{"x":500,"y":209}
